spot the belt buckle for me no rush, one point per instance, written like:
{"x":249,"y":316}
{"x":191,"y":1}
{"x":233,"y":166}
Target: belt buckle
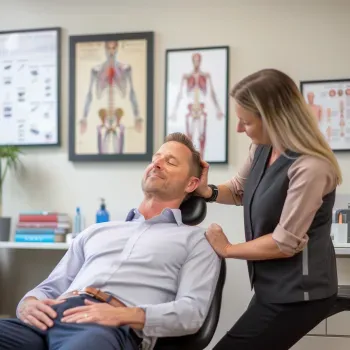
{"x":81,"y":292}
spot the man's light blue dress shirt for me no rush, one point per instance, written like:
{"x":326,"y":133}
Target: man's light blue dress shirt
{"x":162,"y":265}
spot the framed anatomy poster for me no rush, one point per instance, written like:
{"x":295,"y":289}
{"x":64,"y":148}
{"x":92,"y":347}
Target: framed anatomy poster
{"x":329,"y":101}
{"x":196,"y":98}
{"x":30,"y":81}
{"x":111,"y":97}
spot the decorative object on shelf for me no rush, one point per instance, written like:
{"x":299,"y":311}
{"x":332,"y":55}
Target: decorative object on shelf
{"x":111,"y":97}
{"x":328,"y":100}
{"x":196,"y":98}
{"x":9,"y":159}
{"x":30,"y":70}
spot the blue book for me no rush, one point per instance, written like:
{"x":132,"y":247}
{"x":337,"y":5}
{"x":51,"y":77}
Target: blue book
{"x":41,"y":231}
{"x":33,"y":238}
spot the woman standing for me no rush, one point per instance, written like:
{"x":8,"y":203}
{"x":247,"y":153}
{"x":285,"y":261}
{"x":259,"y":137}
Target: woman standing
{"x":287,"y":188}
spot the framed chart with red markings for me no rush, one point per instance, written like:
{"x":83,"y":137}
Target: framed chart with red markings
{"x":111,"y":97}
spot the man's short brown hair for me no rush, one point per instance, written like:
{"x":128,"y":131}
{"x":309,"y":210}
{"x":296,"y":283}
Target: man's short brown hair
{"x":196,"y":167}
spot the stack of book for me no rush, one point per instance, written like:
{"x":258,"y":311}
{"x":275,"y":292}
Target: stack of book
{"x":42,"y":227}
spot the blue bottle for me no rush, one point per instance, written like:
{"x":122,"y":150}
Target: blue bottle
{"x":78,"y":222}
{"x":102,"y":214}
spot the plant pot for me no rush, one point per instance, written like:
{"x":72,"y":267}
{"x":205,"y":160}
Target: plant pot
{"x":5,"y":229}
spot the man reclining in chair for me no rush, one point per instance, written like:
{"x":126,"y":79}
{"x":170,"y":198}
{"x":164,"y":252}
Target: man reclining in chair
{"x":161,"y":273}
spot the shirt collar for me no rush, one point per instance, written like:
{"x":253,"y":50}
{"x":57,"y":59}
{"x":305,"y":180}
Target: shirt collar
{"x":167,"y":215}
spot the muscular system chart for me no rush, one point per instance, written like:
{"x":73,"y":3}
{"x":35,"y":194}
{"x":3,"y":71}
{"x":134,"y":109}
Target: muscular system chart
{"x":330,"y":104}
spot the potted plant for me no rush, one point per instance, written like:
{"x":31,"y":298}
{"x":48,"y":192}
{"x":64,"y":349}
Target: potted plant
{"x":9,"y":158}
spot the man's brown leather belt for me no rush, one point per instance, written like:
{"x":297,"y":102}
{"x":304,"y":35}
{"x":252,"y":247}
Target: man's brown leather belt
{"x":100,"y":295}
{"x":106,"y":298}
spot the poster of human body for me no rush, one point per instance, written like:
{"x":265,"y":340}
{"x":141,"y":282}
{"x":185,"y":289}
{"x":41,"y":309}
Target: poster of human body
{"x":30,"y":87}
{"x":329,"y":101}
{"x":197,"y":99}
{"x":111,"y":109}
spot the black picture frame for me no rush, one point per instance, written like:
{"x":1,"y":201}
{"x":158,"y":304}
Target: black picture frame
{"x":136,"y":45}
{"x":38,"y":125}
{"x":180,"y":64}
{"x":328,"y":99}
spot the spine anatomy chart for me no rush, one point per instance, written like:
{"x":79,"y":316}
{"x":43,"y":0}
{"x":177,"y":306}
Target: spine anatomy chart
{"x":115,"y":77}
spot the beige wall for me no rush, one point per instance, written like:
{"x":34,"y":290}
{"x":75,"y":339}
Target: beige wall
{"x":307,"y":41}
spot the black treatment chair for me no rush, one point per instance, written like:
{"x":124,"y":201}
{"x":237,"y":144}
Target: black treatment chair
{"x":193,"y":212}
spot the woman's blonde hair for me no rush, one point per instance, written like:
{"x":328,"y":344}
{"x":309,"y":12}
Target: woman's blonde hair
{"x":286,"y":117}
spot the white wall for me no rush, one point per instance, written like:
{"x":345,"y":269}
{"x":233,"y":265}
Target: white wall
{"x":307,"y":41}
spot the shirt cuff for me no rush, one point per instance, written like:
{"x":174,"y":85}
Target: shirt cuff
{"x":157,"y":325}
{"x":152,"y":316}
{"x":288,"y":242}
{"x":152,"y":321}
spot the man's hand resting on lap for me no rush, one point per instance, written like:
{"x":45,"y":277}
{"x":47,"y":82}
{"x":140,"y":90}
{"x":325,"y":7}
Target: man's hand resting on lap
{"x":105,"y":314}
{"x":38,"y":313}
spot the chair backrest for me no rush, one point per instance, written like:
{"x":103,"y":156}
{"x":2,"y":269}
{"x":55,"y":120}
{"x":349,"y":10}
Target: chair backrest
{"x":193,"y":212}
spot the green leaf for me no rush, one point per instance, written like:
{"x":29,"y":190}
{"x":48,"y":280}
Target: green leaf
{"x":9,"y":158}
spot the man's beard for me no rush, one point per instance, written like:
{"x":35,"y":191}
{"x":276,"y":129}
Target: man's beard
{"x":150,"y":188}
{"x":162,"y":192}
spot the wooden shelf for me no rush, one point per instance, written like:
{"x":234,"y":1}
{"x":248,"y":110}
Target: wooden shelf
{"x":20,"y":245}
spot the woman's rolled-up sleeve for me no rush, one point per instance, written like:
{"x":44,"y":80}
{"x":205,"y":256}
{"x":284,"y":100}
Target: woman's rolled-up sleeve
{"x":310,"y":179}
{"x":236,"y":183}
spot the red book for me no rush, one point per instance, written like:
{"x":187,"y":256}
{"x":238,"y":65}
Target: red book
{"x":50,"y":217}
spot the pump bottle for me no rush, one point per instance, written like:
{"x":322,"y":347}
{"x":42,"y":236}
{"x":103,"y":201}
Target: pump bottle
{"x":102,"y":214}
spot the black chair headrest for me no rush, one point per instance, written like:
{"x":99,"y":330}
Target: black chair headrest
{"x":193,"y":210}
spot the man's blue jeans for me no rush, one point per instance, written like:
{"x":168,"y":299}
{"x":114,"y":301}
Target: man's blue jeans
{"x":16,"y":335}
